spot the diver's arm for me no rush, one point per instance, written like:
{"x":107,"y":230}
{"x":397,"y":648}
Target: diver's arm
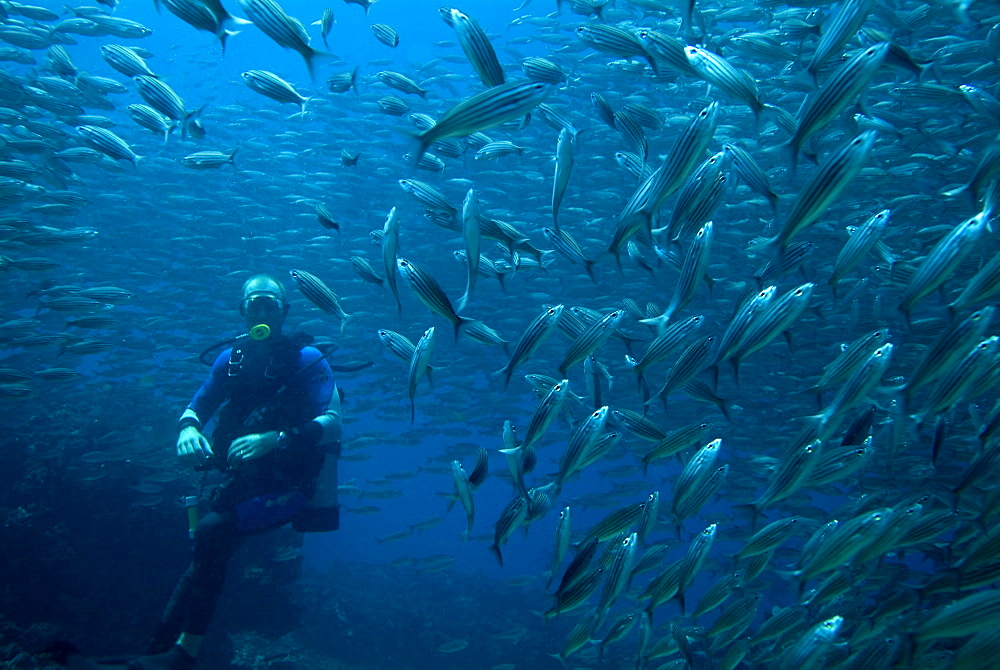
{"x":192,"y":446}
{"x":324,"y":428}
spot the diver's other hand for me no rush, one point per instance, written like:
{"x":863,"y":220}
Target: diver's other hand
{"x":252,"y":446}
{"x":192,"y":447}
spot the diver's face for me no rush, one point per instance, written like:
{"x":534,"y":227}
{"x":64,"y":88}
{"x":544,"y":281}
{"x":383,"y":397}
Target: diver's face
{"x":263,"y":308}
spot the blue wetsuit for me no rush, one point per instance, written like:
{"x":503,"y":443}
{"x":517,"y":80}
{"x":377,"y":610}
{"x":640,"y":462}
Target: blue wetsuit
{"x":280,"y":387}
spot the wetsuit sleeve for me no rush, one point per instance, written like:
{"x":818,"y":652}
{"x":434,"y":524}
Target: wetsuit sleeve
{"x":211,"y":394}
{"x":324,"y":428}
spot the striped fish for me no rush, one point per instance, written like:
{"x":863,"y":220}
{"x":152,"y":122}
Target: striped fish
{"x":476,"y":46}
{"x":692,"y":360}
{"x":208,"y":160}
{"x":285,"y":30}
{"x":695,"y":263}
{"x":851,"y":357}
{"x":741,"y":321}
{"x":846,"y":82}
{"x":695,"y":470}
{"x":861,"y":382}
{"x":643,"y":115}
{"x":839,"y":28}
{"x":125,"y":60}
{"x":543,"y":70}
{"x":618,"y":574}
{"x":722,"y":74}
{"x":564,"y":164}
{"x":562,"y":539}
{"x":701,"y":493}
{"x":150,"y":119}
{"x":398,"y":345}
{"x":697,"y":552}
{"x":569,"y":249}
{"x":686,"y":153}
{"x":769,"y":323}
{"x":983,"y":285}
{"x":427,"y":289}
{"x":791,"y":474}
{"x":861,"y":241}
{"x":485,"y":110}
{"x":386,"y":34}
{"x":325,"y":23}
{"x":591,"y":339}
{"x":826,"y":184}
{"x":751,"y":173}
{"x":942,"y":261}
{"x":665,"y":343}
{"x":667,"y":50}
{"x":954,"y":385}
{"x":637,"y":424}
{"x":392,"y":105}
{"x":429,"y":197}
{"x":472,"y":235}
{"x":365,"y":270}
{"x":558,"y":119}
{"x":576,"y":593}
{"x":419,"y":362}
{"x":580,"y":443}
{"x":463,"y":491}
{"x":545,"y":413}
{"x":769,"y":537}
{"x":108,"y":143}
{"x":603,"y":109}
{"x":319,"y":294}
{"x":272,"y":86}
{"x":613,"y":40}
{"x":616,"y":522}
{"x":532,"y":337}
{"x":209,"y":16}
{"x":401,"y":82}
{"x":495,"y":150}
{"x":633,"y":136}
{"x":512,"y":517}
{"x":163,"y":99}
{"x":390,"y":243}
{"x":480,"y":332}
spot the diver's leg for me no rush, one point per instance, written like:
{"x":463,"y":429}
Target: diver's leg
{"x":194,"y":598}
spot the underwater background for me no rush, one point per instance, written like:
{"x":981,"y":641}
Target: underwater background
{"x":883,"y":457}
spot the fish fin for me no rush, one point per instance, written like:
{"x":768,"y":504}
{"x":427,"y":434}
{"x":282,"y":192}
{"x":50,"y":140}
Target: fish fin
{"x":495,"y":550}
{"x":658,"y":322}
{"x":589,"y":266}
{"x":461,"y":323}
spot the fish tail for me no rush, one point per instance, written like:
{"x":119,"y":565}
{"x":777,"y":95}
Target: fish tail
{"x":354,"y":79}
{"x":495,"y":550}
{"x":560,"y":658}
{"x":461,"y":322}
{"x":724,"y":407}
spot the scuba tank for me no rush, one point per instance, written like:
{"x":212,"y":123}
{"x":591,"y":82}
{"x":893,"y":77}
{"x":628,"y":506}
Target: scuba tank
{"x":322,"y":512}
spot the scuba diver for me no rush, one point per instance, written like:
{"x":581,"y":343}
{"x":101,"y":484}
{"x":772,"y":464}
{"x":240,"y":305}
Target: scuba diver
{"x":277,"y":441}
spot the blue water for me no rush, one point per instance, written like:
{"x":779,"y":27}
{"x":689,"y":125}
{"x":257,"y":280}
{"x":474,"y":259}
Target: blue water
{"x":183,"y":241}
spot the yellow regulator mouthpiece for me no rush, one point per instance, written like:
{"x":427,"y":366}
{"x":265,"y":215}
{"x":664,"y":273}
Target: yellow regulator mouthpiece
{"x":261,"y":331}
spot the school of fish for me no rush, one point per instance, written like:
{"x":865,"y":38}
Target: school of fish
{"x":741,"y":255}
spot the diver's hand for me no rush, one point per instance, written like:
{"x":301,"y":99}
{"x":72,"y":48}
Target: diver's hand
{"x":192,"y":447}
{"x":252,"y":446}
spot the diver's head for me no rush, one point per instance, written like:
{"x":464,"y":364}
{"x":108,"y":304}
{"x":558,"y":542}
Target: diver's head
{"x":264,"y":306}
